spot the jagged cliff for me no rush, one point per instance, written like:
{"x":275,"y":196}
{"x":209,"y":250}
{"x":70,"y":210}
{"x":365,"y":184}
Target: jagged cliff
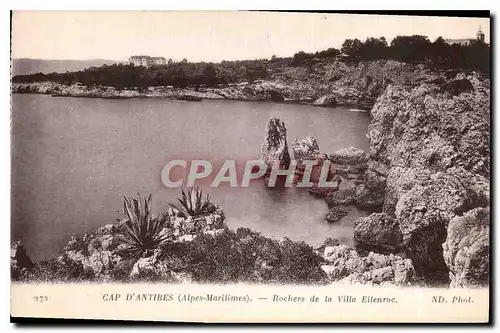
{"x":430,"y":154}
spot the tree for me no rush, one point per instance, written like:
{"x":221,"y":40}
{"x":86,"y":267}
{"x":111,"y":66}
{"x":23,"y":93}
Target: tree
{"x":410,"y":48}
{"x":300,"y":58}
{"x":209,"y":75}
{"x":352,"y":47}
{"x":328,"y":53}
{"x":374,"y":48}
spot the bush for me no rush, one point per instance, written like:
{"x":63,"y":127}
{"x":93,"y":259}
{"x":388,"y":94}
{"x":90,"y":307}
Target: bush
{"x":246,"y":256}
{"x":193,"y":204}
{"x":54,"y":270}
{"x":142,"y":232}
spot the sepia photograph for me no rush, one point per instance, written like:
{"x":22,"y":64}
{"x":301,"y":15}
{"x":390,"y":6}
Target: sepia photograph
{"x":258,"y":162}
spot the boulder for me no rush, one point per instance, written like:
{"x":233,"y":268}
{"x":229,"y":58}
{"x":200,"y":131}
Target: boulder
{"x":333,"y":253}
{"x":305,"y":149}
{"x":182,"y":226}
{"x":149,"y":266}
{"x":215,"y":232}
{"x":19,"y":259}
{"x":350,"y":156}
{"x":329,"y":242}
{"x":345,"y":195}
{"x":99,"y":262}
{"x":345,"y":265}
{"x":403,"y":271}
{"x":466,"y":249}
{"x":335,"y":272}
{"x":107,"y":229}
{"x":324,"y":192}
{"x":326,"y":100}
{"x":378,"y":230}
{"x":335,"y":214}
{"x":186,"y":238}
{"x":367,"y":197}
{"x":106,"y":242}
{"x":377,"y":260}
{"x":380,"y":275}
{"x":340,"y":198}
{"x":264,"y":91}
{"x":275,"y":148}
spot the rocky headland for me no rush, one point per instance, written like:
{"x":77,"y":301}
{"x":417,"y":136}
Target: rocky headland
{"x":328,"y":84}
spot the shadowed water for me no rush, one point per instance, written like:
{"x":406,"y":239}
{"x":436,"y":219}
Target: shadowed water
{"x":73,"y":159}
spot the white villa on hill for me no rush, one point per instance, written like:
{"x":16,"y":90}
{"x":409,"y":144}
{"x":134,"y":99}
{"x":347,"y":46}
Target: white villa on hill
{"x":146,"y":61}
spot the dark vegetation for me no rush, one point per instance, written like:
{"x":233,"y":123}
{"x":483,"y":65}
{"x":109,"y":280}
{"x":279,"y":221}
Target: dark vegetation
{"x":142,"y":231}
{"x":419,"y":49}
{"x":246,"y":256}
{"x":192,"y":203}
{"x":233,"y":256}
{"x":410,"y":49}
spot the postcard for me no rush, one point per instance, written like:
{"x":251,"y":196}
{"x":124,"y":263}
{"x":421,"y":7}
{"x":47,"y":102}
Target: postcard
{"x":237,"y":166}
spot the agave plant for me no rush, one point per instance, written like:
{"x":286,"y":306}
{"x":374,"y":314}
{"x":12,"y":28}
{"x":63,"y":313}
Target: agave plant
{"x":142,"y":232}
{"x":191,"y":203}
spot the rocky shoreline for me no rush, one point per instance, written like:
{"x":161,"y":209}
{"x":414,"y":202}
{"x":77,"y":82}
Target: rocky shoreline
{"x":426,"y":178}
{"x":273,"y":91}
{"x":204,"y":250}
{"x":331,"y":84}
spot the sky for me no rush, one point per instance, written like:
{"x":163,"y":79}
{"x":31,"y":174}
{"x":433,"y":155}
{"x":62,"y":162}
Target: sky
{"x":211,"y":35}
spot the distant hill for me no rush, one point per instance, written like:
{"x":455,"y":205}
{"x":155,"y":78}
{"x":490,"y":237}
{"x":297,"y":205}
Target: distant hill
{"x":29,"y":66}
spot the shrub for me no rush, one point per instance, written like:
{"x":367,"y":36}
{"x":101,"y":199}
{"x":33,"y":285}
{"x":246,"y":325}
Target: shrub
{"x":193,"y":204}
{"x":55,"y":270}
{"x":247,"y":256}
{"x":142,"y":232}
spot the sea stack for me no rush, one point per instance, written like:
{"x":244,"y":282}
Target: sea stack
{"x":275,"y":148}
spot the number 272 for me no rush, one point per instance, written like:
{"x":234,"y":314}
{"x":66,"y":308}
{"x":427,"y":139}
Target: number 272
{"x":41,"y":299}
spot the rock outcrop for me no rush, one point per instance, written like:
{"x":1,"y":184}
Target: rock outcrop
{"x":19,"y":259}
{"x":349,"y":156}
{"x":357,"y":186}
{"x":97,"y":253}
{"x":150,"y":266}
{"x":326,"y":100}
{"x":345,"y":265}
{"x":274,"y":150}
{"x":429,"y":158}
{"x":307,"y":149}
{"x":335,"y":214}
{"x":101,"y":253}
{"x":378,"y":230}
{"x":466,"y":249}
